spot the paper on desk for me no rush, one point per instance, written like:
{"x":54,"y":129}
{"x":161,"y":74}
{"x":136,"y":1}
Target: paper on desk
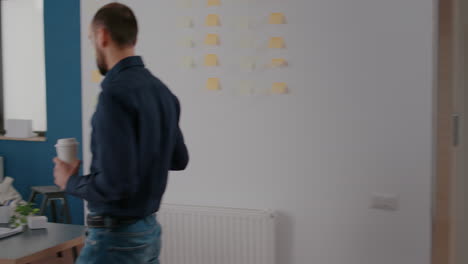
{"x":6,"y":232}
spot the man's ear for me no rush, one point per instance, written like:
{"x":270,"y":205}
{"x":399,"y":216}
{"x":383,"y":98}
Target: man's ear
{"x":102,"y":37}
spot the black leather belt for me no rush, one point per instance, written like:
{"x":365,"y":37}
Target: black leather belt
{"x":101,"y":221}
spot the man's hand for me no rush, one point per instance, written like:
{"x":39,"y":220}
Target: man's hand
{"x":63,"y":171}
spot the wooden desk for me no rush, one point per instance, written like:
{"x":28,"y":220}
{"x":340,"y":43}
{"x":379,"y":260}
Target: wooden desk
{"x":34,"y":245}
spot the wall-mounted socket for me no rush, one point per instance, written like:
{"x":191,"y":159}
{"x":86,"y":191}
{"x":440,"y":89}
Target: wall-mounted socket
{"x":385,"y":202}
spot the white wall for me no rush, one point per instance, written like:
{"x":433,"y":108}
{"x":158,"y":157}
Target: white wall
{"x":24,"y":61}
{"x":358,"y":121}
{"x":460,"y":153}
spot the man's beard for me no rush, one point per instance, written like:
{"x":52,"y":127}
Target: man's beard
{"x":101,"y":64}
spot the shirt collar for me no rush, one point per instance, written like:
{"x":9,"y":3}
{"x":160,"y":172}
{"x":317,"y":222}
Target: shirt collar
{"x":129,"y":62}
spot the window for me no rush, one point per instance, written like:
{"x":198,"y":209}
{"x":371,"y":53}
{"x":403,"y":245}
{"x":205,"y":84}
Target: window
{"x":22,"y":64}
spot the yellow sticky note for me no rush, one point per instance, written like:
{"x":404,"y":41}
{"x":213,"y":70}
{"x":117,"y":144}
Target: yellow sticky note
{"x":278,"y":62}
{"x":211,"y":60}
{"x":246,"y":88}
{"x":245,"y":2}
{"x":96,"y":76}
{"x":279,"y":88}
{"x":277,"y":43}
{"x":187,"y":42}
{"x":214,"y":2}
{"x":212,"y":39}
{"x":185,"y":22}
{"x":185,"y":3}
{"x":213,"y":84}
{"x":243,"y":23}
{"x":277,"y":18}
{"x":188,"y":62}
{"x":212,"y":20}
{"x":247,"y":42}
{"x":248,"y":64}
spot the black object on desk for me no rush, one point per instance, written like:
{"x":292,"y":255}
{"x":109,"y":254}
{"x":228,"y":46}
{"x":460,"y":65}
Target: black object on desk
{"x":52,"y":194}
{"x":33,"y":245}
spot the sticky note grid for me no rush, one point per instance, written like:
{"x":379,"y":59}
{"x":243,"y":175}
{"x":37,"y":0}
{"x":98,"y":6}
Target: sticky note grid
{"x":246,"y":41}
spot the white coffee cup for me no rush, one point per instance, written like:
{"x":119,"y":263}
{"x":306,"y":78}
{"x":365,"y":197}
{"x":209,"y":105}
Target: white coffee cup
{"x":67,"y":149}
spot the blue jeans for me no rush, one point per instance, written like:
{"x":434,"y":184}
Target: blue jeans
{"x":136,"y":243}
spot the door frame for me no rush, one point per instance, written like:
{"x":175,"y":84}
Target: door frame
{"x":443,"y":222}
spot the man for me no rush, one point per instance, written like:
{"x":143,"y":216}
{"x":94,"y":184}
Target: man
{"x":136,"y":140}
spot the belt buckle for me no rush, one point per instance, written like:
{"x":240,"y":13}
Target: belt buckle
{"x":95,"y":218}
{"x":97,"y":221}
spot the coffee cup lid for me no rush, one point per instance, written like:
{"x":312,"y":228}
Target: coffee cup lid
{"x":67,"y":142}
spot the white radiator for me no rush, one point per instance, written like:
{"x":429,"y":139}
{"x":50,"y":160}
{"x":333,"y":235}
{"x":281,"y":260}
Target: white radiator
{"x":209,"y":235}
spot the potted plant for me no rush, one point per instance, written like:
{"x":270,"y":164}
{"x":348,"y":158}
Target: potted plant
{"x":21,"y":214}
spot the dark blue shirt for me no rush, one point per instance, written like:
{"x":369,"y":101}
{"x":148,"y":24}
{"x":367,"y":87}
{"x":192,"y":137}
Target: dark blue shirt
{"x":136,"y":140}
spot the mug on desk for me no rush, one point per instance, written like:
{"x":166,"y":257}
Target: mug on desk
{"x":5,"y":214}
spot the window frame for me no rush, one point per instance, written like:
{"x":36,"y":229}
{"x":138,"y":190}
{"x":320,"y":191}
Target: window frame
{"x":2,"y":109}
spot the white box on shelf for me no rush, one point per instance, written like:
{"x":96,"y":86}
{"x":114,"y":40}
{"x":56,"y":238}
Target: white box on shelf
{"x":37,"y":222}
{"x":19,"y":128}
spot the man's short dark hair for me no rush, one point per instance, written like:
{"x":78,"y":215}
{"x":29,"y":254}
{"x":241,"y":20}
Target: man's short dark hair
{"x":120,"y":21}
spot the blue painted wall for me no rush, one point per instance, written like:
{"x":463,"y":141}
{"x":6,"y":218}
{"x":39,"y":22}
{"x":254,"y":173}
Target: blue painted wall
{"x":30,"y":163}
